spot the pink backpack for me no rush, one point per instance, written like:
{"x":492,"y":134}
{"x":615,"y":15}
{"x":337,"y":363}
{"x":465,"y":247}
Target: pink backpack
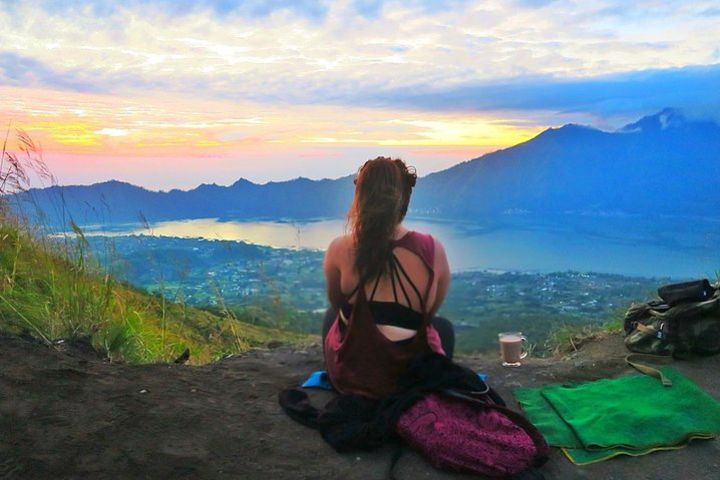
{"x":467,"y":435}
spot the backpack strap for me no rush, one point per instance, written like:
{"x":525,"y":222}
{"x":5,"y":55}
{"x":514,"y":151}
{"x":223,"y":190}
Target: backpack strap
{"x":296,"y":404}
{"x":635,"y":359}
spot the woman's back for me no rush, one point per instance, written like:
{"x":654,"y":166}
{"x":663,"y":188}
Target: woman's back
{"x":384,"y":282}
{"x":401,"y":295}
{"x":360,"y":355}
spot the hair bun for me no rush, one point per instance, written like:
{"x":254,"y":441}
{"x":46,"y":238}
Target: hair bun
{"x":411,"y":176}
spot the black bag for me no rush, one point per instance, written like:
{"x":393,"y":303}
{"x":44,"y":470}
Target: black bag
{"x":681,"y":325}
{"x":696,"y":291}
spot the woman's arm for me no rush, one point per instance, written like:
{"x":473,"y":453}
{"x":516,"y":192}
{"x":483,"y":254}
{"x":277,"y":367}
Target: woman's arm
{"x":332,"y":273}
{"x":442,"y":272}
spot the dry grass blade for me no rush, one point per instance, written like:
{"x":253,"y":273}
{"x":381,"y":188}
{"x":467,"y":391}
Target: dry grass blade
{"x":33,"y":154}
{"x":17,"y":171}
{"x":27,"y":322}
{"x":79,"y":233}
{"x":144,"y":222}
{"x":4,"y":148}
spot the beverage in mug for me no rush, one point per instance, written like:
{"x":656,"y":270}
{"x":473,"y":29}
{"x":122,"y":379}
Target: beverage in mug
{"x":511,"y":348}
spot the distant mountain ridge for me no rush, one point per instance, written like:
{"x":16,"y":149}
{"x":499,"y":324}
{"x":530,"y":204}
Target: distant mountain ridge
{"x":120,"y":202}
{"x":663,"y":164}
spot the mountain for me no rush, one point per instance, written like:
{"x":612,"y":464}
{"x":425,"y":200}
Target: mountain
{"x":119,"y":202}
{"x":663,"y":164}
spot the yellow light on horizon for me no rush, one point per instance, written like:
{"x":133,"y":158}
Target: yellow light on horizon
{"x":167,"y":126}
{"x":68,"y":133}
{"x":462,"y":132}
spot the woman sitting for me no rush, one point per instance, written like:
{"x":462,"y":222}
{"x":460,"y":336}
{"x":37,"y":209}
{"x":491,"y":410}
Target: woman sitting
{"x":385,"y":284}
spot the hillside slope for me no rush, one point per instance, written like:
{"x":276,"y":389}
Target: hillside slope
{"x":53,"y":290}
{"x":68,"y":414}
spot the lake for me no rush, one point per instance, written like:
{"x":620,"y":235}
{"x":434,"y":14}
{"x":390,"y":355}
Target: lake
{"x":625,"y":246}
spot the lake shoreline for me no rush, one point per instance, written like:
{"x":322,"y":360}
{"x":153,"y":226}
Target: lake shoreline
{"x":614,"y":246}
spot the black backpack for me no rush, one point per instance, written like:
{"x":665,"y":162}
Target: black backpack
{"x":684,"y":320}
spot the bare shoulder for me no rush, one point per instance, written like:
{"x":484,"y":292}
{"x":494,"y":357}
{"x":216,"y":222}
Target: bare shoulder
{"x":342,"y":242}
{"x":439,"y":247}
{"x":340,"y":247}
{"x":441,"y":261}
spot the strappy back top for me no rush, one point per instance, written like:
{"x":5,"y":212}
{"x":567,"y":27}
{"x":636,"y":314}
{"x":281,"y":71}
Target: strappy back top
{"x":393,"y":313}
{"x":362,"y":360}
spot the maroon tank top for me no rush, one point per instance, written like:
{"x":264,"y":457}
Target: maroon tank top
{"x":361,"y":359}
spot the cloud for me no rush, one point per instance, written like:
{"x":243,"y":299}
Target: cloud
{"x":689,"y":88}
{"x":315,"y":9}
{"x":18,"y":70}
{"x":525,"y":55}
{"x":112,"y":132}
{"x":535,"y":3}
{"x":711,"y":12}
{"x":369,"y":8}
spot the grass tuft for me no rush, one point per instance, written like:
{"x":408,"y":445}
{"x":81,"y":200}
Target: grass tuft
{"x":570,"y":338}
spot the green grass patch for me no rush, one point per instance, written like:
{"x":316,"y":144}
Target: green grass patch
{"x":53,"y":289}
{"x":570,"y":338}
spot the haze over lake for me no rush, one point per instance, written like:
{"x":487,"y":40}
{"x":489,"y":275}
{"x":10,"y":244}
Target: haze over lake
{"x":623,"y":246}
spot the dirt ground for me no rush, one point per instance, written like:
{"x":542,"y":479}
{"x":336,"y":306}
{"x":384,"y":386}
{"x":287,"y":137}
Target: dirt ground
{"x":66,"y":413}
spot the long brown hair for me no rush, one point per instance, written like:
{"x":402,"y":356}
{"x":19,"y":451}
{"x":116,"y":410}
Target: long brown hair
{"x":382,"y":196}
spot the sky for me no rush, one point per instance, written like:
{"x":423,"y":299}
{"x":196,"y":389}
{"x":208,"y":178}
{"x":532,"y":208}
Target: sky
{"x":174,"y":93}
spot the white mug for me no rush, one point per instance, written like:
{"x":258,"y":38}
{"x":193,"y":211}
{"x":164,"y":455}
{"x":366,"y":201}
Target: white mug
{"x":513,"y":348}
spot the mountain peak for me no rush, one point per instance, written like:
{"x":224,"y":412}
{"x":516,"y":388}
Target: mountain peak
{"x":573,"y":127}
{"x":116,"y":183}
{"x":241,"y":182}
{"x":664,"y":119}
{"x":569,"y":130}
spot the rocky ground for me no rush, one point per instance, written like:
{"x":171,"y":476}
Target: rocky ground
{"x":67,"y":413}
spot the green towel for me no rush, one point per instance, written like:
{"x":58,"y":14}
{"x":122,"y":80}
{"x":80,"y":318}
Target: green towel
{"x":632,"y":415}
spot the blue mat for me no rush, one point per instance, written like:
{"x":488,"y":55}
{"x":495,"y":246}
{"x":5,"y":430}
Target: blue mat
{"x":320,"y":380}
